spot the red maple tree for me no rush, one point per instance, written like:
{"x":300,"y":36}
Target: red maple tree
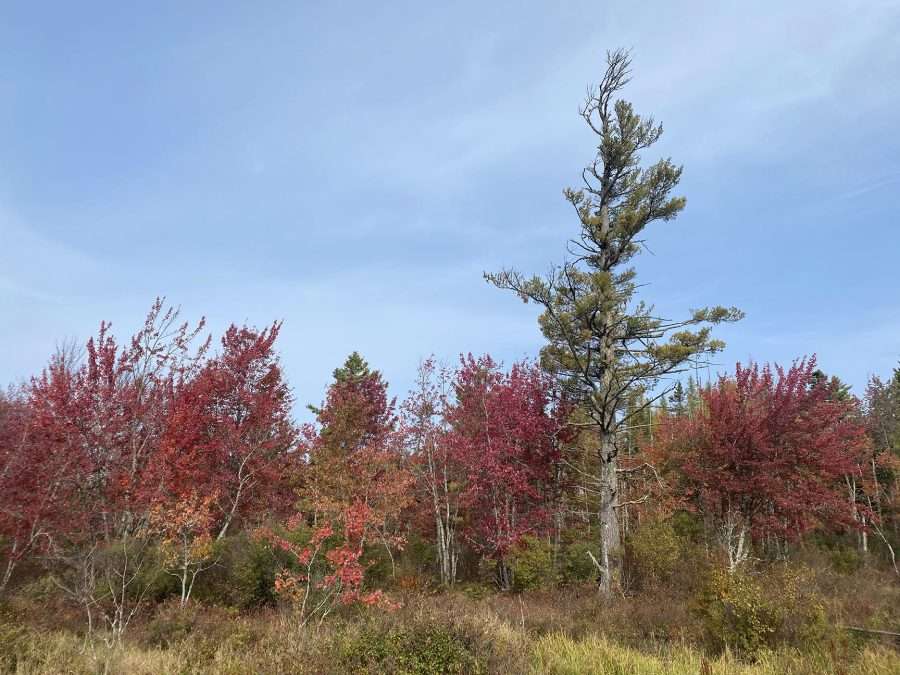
{"x":95,"y":424}
{"x":503,"y":434}
{"x":766,"y":455}
{"x":35,"y":481}
{"x":328,"y":569}
{"x":230,"y":433}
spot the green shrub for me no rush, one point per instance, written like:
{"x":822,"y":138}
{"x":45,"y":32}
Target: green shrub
{"x":40,"y":590}
{"x":153,"y":577}
{"x":688,"y":527}
{"x":433,"y":650}
{"x":244,"y":576}
{"x":653,"y":553}
{"x":380,"y":570}
{"x":573,"y":564}
{"x":750,"y":614}
{"x":840,"y":550}
{"x":426,"y":649}
{"x":418,"y":557}
{"x":845,"y":560}
{"x":531,"y":563}
{"x":475,"y":590}
{"x":736,"y":615}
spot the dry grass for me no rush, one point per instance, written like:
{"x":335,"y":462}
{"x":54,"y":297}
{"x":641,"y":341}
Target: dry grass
{"x":568,"y":631}
{"x":283,"y":649}
{"x":560,"y":655}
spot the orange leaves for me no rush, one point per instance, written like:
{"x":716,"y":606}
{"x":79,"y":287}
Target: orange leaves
{"x":322,"y":533}
{"x":357,"y":474}
{"x":184,"y":526}
{"x":328,"y":570}
{"x":193,"y":512}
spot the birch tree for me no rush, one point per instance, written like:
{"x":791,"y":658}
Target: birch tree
{"x":438,"y":477}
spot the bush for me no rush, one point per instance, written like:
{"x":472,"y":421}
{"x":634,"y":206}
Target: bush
{"x":171,"y":625}
{"x":153,"y":577}
{"x":435,"y":650}
{"x":653,"y":553}
{"x":244,"y":576}
{"x":12,"y":637}
{"x":475,"y":590}
{"x":427,"y":649}
{"x":380,"y":572}
{"x":418,"y":557}
{"x":573,"y":564}
{"x":845,"y":560}
{"x":748,"y":614}
{"x":531,"y":562}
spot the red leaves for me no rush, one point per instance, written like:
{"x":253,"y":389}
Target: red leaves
{"x":321,"y":534}
{"x":772,"y":446}
{"x":33,"y":482}
{"x":95,"y":448}
{"x":503,"y":434}
{"x":192,"y":516}
{"x":330,"y":565}
{"x":97,"y":423}
{"x":355,"y":486}
{"x":230,"y":429}
{"x":156,"y":439}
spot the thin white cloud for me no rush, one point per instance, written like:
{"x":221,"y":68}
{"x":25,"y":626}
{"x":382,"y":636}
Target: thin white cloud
{"x":871,"y":186}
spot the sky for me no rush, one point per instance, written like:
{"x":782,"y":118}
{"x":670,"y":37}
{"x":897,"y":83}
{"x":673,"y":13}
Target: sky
{"x":352,"y":168}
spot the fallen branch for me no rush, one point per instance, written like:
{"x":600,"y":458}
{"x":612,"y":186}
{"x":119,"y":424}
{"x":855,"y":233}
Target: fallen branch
{"x":873,"y":631}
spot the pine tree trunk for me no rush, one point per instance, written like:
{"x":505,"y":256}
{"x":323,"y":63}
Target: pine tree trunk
{"x":610,"y":543}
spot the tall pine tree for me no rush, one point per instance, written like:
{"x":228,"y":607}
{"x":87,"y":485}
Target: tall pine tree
{"x":603,"y":344}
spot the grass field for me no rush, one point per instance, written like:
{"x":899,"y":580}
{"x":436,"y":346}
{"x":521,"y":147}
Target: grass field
{"x":448,"y":633}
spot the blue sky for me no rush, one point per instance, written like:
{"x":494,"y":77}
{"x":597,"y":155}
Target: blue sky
{"x":352,"y":168}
